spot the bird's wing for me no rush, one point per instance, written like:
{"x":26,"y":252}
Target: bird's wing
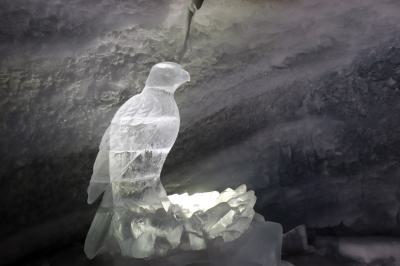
{"x":137,"y":107}
{"x":132,"y":130}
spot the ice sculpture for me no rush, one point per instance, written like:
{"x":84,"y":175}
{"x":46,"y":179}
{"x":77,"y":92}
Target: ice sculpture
{"x":136,"y":218}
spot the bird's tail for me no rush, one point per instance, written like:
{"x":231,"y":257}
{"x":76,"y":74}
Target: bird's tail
{"x":98,"y":232}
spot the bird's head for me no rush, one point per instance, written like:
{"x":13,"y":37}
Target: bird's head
{"x":167,"y":76}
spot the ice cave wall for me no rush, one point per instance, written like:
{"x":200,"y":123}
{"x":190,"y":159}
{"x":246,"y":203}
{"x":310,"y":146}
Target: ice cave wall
{"x":298,"y":99}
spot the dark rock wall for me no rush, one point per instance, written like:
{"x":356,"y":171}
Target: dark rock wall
{"x":329,"y":158}
{"x":298,"y":99}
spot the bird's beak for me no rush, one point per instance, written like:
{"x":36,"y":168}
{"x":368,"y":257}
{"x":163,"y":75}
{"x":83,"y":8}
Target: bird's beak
{"x":186,"y":76}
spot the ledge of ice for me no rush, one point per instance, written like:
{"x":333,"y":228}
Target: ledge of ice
{"x":210,"y":215}
{"x":185,"y":222}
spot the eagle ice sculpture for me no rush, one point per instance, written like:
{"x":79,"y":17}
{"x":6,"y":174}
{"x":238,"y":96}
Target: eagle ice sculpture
{"x":136,"y":218}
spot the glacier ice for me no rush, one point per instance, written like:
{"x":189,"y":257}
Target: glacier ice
{"x":136,"y":217}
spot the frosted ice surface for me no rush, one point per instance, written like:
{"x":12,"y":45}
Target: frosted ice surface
{"x":136,"y":218}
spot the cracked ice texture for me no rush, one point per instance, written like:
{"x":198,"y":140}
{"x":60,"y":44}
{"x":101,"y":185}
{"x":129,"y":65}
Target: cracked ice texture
{"x":136,"y":218}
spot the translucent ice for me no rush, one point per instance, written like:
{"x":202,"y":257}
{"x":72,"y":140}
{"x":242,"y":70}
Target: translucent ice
{"x":136,"y":218}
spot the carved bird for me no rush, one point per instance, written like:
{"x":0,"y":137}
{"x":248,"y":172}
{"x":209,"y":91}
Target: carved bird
{"x":132,"y":152}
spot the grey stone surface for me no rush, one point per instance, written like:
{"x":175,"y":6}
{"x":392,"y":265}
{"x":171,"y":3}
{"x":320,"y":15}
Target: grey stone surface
{"x":300,"y":100}
{"x":295,"y":241}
